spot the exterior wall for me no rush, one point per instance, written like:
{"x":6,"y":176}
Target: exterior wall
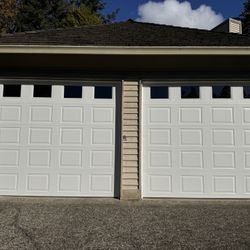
{"x":130,"y":186}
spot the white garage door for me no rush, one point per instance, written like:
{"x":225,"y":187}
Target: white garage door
{"x":57,"y":140}
{"x":196,"y":141}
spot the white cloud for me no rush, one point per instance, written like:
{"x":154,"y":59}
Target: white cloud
{"x":174,"y":12}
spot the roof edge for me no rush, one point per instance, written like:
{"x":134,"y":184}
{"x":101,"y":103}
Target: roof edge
{"x":125,"y":50}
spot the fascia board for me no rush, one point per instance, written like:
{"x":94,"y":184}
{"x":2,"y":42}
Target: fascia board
{"x":118,"y":50}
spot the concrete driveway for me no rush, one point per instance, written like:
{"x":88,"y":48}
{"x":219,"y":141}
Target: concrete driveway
{"x":112,"y":224}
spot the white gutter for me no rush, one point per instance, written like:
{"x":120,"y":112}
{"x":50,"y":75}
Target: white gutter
{"x":117,"y":50}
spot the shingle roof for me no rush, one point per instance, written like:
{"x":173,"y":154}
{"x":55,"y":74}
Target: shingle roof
{"x":128,"y":33}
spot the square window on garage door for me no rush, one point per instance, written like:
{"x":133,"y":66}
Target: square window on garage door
{"x":103,"y":92}
{"x":190,"y":92}
{"x":246,"y":90}
{"x":72,"y":91}
{"x":159,"y":92}
{"x":42,"y":91}
{"x":221,"y":92}
{"x":12,"y":90}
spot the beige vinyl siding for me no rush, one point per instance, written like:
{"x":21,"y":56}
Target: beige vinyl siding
{"x":130,"y":136}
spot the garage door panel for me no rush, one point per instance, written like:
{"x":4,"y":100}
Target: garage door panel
{"x":8,"y":182}
{"x":246,"y":115}
{"x":72,"y":136}
{"x":190,"y":115}
{"x":160,"y":159}
{"x":41,"y":114}
{"x":9,"y":135}
{"x":39,"y":158}
{"x":102,"y":115}
{"x":225,"y":160}
{"x":191,"y":159}
{"x":191,"y":137}
{"x":58,"y":181}
{"x":69,"y":183}
{"x":159,"y":115}
{"x":102,"y":136}
{"x":247,"y":160}
{"x":100,"y":182}
{"x":166,"y":185}
{"x":193,"y":171}
{"x":159,"y":137}
{"x":101,"y":159}
{"x":223,"y":137}
{"x":56,"y":146}
{"x":247,"y":184}
{"x":224,"y":184}
{"x":160,"y":183}
{"x":70,"y":114}
{"x":192,"y":184}
{"x":247,"y":137}
{"x":207,"y":151}
{"x":40,"y":136}
{"x":37,"y":182}
{"x":10,"y":113}
{"x":222,"y":115}
{"x":70,"y":158}
{"x":9,"y":158}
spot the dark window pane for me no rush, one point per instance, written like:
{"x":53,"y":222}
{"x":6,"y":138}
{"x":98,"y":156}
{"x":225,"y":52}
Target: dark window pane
{"x":159,"y":92}
{"x":42,"y":91}
{"x":72,"y":91}
{"x":103,"y":92}
{"x":12,"y":90}
{"x":221,"y":92}
{"x":247,"y":92}
{"x":190,"y":92}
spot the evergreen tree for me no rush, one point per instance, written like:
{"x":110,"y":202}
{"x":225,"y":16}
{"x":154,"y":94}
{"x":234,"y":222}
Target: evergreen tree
{"x":47,"y":14}
{"x":97,"y":6}
{"x":8,"y":14}
{"x":79,"y":16}
{"x":37,"y":15}
{"x":245,"y":17}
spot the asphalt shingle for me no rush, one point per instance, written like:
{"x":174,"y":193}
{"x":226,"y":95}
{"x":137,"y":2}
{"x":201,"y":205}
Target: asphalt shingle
{"x":128,"y":33}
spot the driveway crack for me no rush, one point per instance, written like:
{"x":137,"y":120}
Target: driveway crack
{"x":23,"y":231}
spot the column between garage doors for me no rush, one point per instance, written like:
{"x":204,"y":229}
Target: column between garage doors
{"x":130,"y":188}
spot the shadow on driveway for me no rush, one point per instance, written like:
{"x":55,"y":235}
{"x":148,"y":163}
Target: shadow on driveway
{"x":32,"y":223}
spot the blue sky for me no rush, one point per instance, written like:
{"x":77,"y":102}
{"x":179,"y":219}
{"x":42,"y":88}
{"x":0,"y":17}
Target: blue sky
{"x":129,"y":8}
